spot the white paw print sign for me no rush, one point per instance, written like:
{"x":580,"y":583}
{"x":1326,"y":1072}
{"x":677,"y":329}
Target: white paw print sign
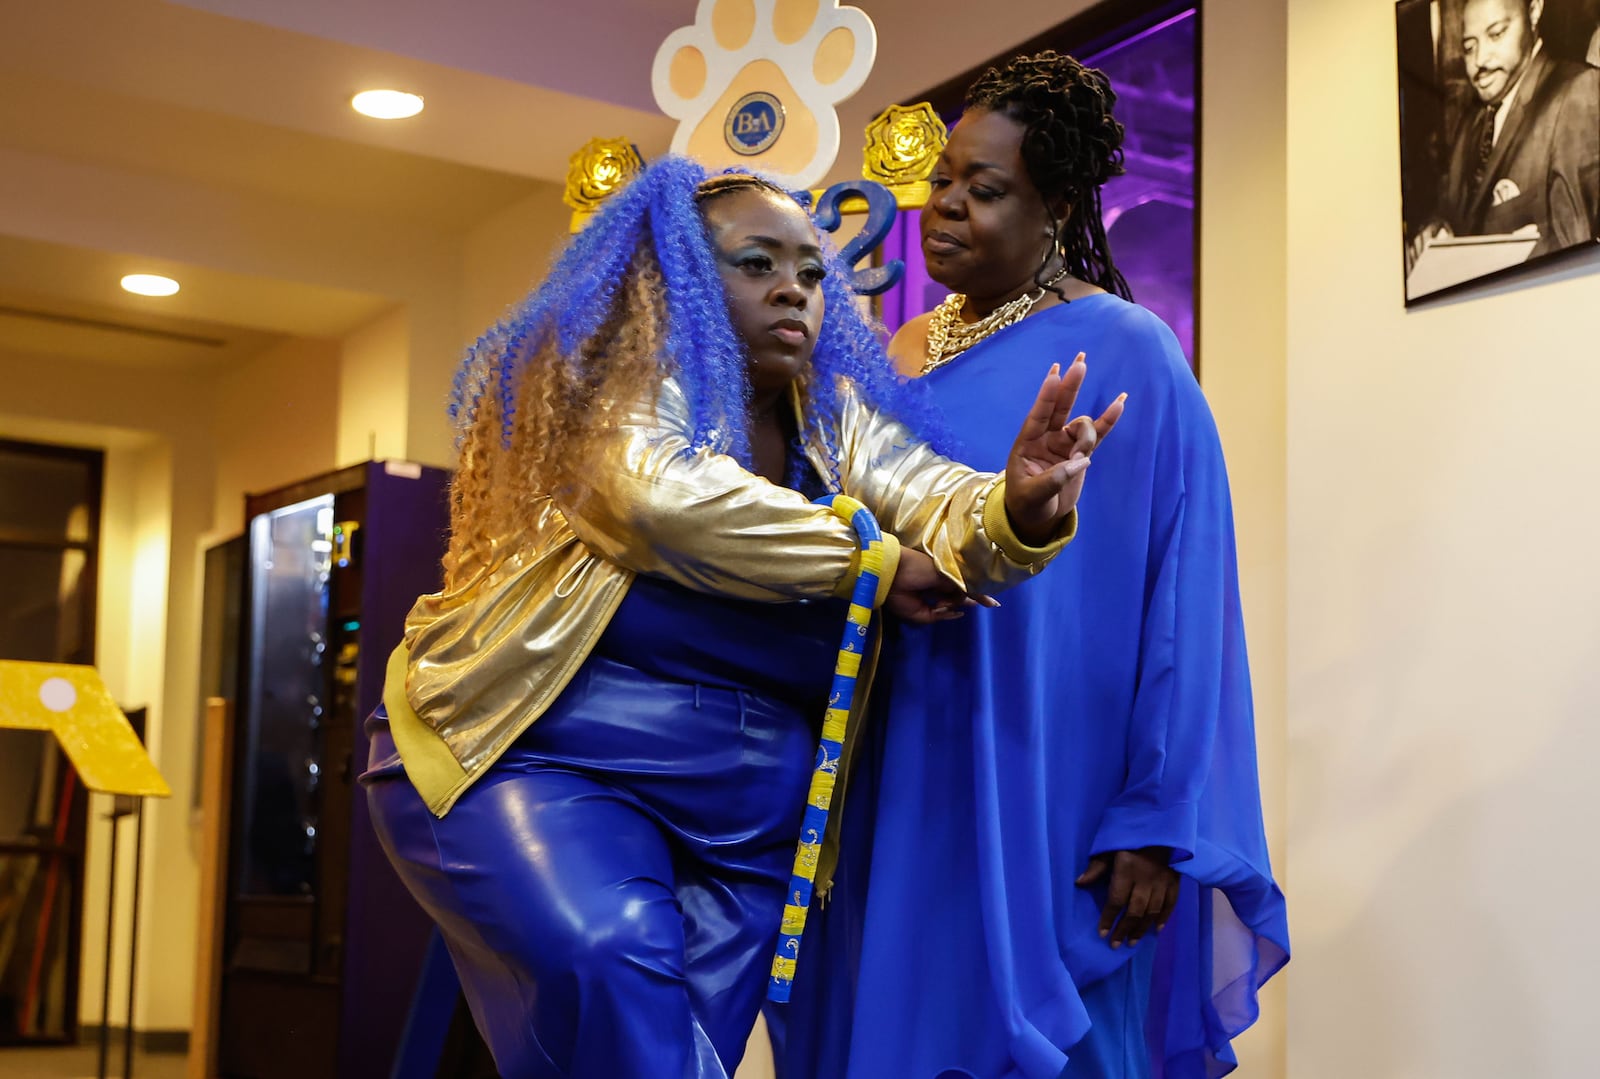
{"x":756,"y":83}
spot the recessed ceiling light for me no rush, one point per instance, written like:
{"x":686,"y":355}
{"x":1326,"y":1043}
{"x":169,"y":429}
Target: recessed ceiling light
{"x":149,"y":284}
{"x":386,"y":104}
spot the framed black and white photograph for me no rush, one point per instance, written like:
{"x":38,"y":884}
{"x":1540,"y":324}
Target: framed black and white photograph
{"x":1499,"y":135}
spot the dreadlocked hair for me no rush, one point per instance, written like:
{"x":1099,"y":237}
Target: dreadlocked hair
{"x":634,"y":298}
{"x":1071,"y":145}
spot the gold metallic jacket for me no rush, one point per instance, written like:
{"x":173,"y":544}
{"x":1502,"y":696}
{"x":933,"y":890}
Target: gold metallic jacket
{"x":482,"y":661}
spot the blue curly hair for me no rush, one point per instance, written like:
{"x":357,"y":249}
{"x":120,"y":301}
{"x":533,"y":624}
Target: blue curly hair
{"x":633,"y":298}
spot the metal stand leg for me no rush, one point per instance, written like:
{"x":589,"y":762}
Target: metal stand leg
{"x":111,"y":917}
{"x":123,"y":806}
{"x":133,"y":935}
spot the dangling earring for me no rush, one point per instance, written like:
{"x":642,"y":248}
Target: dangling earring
{"x":1055,"y":247}
{"x":1061,"y":244}
{"x":1052,"y":244}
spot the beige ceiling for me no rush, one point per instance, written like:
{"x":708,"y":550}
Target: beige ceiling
{"x":234,"y":105}
{"x":59,"y":329}
{"x":243,"y":71}
{"x":48,"y":115}
{"x":59,"y":300}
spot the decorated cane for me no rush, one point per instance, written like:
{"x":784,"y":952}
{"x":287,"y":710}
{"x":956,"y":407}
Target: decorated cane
{"x":834,"y":723}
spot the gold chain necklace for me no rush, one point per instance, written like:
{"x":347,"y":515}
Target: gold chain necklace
{"x":949,"y":337}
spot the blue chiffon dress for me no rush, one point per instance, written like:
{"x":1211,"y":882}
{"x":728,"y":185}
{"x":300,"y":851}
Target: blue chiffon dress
{"x":1105,"y":706}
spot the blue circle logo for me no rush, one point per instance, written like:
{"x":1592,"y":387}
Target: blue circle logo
{"x":754,"y":123}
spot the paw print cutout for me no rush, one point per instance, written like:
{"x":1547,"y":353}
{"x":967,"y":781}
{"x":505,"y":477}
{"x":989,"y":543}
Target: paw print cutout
{"x":756,"y":83}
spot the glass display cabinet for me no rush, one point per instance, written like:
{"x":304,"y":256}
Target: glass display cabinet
{"x":312,"y":909}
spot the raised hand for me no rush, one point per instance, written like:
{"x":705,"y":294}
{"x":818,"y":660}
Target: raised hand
{"x":1045,"y":472}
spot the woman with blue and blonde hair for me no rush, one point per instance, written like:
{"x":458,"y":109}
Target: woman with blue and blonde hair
{"x":596,"y":740}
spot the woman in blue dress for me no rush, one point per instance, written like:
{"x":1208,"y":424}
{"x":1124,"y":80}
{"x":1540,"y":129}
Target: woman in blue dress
{"x":595,"y":744}
{"x":1061,"y":869}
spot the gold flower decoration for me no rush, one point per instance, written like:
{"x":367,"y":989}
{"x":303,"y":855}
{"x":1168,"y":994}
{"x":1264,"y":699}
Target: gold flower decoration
{"x":903,"y":143}
{"x":599,"y":170}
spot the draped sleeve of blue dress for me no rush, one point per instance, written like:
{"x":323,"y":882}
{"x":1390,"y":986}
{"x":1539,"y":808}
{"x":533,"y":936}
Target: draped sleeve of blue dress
{"x":1106,"y":706}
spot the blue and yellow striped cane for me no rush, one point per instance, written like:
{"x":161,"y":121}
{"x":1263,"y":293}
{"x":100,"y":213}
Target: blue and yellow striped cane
{"x":840,"y":698}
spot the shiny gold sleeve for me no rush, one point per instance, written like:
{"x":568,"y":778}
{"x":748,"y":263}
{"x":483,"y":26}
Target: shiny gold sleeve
{"x":951,"y":512}
{"x":698,"y":518}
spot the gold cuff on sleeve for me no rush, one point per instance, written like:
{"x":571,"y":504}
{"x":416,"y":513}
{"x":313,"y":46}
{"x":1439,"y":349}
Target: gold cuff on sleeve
{"x":997,"y":526}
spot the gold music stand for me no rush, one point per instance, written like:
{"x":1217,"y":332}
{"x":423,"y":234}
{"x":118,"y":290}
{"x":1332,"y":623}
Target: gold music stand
{"x":71,"y":702}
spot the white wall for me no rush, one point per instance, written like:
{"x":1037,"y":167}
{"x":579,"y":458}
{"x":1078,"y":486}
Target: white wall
{"x":130,"y":651}
{"x":398,"y":370}
{"x":506,"y":255}
{"x":1242,"y":345}
{"x":275,"y":421}
{"x":372,"y":390}
{"x":1444,"y":661}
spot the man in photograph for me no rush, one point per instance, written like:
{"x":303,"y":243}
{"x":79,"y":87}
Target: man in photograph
{"x":1528,"y":153}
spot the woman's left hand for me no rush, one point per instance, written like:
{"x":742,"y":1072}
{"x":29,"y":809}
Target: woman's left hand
{"x":1141,"y":892}
{"x":1045,"y":472}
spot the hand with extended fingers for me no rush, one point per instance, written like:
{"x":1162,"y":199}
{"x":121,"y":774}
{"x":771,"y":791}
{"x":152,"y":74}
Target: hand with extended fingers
{"x":1044,"y":474}
{"x":1044,"y":477}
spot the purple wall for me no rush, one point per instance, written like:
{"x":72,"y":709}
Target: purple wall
{"x":1150,"y":211}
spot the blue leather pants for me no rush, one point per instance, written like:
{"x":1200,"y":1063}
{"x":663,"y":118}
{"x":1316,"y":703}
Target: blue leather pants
{"x":610,"y":892}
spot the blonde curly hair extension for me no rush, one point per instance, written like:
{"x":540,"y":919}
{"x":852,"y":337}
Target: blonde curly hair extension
{"x":563,"y":406}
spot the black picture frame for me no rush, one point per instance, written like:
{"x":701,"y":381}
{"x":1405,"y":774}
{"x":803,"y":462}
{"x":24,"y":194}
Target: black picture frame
{"x":1514,"y":192}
